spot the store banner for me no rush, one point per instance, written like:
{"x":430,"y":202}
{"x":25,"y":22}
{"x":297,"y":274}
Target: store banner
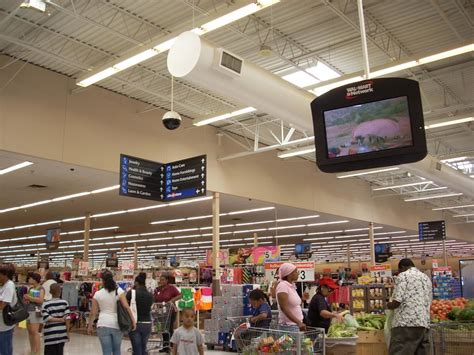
{"x":83,"y":269}
{"x":53,"y":238}
{"x":384,"y":270}
{"x":305,"y":270}
{"x":262,"y":255}
{"x":223,"y":257}
{"x":238,"y":256}
{"x":128,"y":268}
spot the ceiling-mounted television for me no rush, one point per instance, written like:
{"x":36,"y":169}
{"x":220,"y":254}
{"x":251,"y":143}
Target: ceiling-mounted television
{"x":369,"y":124}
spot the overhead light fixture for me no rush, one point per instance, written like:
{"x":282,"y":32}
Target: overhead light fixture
{"x":448,"y":122}
{"x":15,"y":167}
{"x":402,"y":185}
{"x":225,"y":116}
{"x":451,"y":207}
{"x":464,"y":215}
{"x":297,"y":151}
{"x":154,"y":49}
{"x":39,"y":5}
{"x":433,"y":197}
{"x":446,"y":54}
{"x":105,"y":189}
{"x":367,"y":173}
{"x":327,"y":223}
{"x":394,"y":69}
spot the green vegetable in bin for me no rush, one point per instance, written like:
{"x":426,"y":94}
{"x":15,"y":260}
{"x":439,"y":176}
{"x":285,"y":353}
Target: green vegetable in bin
{"x":340,"y":330}
{"x":371,"y":321}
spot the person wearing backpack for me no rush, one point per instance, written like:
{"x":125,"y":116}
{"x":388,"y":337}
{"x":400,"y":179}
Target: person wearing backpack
{"x":140,"y":301}
{"x":7,"y":297}
{"x":108,"y":328}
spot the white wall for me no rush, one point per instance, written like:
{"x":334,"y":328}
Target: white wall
{"x":39,"y":117}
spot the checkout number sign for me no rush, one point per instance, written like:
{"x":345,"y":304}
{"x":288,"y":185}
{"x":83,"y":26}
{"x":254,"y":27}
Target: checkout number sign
{"x":305,"y":271}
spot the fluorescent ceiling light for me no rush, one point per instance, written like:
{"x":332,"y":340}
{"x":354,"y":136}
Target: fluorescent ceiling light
{"x":367,"y":173}
{"x":301,"y":79}
{"x":327,"y":223}
{"x":464,"y":215}
{"x":447,"y":54}
{"x":324,"y":89}
{"x":39,"y":5}
{"x":15,"y":167}
{"x":297,"y":151}
{"x":449,"y":122}
{"x":105,"y":189}
{"x":451,"y":207}
{"x":68,"y":197}
{"x":164,"y":46}
{"x":394,"y":69}
{"x":402,"y":185}
{"x":225,"y":116}
{"x":433,"y":197}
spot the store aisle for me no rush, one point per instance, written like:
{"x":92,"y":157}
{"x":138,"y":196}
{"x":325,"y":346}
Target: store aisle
{"x":79,"y":345}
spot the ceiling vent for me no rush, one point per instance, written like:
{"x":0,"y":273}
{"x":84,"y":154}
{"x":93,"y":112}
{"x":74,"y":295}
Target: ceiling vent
{"x":229,"y":63}
{"x":36,"y":186}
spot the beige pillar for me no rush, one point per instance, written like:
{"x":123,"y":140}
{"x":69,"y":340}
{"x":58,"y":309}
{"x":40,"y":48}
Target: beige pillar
{"x":372,"y":243}
{"x":135,"y":256}
{"x":255,"y":240}
{"x":87,"y":229}
{"x":445,"y":254}
{"x":215,"y":244}
{"x":348,"y":255}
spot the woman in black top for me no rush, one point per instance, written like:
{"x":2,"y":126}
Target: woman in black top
{"x":143,"y":302}
{"x":319,"y":311}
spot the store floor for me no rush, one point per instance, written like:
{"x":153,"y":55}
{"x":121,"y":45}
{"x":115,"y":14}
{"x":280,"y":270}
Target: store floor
{"x":79,"y":345}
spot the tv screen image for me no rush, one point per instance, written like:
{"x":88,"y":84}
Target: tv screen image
{"x":368,"y":127}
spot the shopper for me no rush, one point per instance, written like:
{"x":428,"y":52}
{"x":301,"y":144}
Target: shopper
{"x":56,"y":322}
{"x":7,"y":297}
{"x":34,"y":298}
{"x":143,"y":300}
{"x":187,"y":340}
{"x":167,"y":293}
{"x":49,"y":280}
{"x":105,"y":302}
{"x":290,"y":315}
{"x":262,"y":314}
{"x":411,"y":301}
{"x":319,"y":311}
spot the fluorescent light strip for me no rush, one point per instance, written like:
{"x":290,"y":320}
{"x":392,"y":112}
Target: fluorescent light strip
{"x":402,"y":185}
{"x":296,"y":152}
{"x":224,"y":116}
{"x":166,"y":45}
{"x":449,"y":123}
{"x":15,"y":167}
{"x":433,"y":197}
{"x":57,"y":199}
{"x":464,"y":215}
{"x":451,"y":207}
{"x":367,"y":173}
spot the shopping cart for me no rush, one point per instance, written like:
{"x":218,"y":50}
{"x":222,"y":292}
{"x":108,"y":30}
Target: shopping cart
{"x":255,"y":341}
{"x":160,"y":334}
{"x":452,"y":338}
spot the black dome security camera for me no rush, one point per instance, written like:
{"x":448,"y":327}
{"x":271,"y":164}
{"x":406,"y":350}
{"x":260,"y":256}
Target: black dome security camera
{"x":171,"y":120}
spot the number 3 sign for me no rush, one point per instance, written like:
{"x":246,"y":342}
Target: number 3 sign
{"x":305,"y":271}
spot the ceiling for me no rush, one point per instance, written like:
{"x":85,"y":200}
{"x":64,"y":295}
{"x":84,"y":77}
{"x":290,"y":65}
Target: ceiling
{"x":118,"y":222}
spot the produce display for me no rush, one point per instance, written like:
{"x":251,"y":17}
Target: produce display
{"x":370,"y":321}
{"x":440,"y":309}
{"x":341,"y":330}
{"x":283,"y":344}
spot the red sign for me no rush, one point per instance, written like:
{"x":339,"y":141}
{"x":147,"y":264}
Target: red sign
{"x":442,"y":269}
{"x":327,"y":271}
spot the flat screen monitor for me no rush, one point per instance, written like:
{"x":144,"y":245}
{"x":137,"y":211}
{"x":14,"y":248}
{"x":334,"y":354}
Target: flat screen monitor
{"x":369,"y":124}
{"x":302,"y":248}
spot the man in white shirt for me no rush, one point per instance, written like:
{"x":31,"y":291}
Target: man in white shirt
{"x":47,"y":285}
{"x":411,"y":301}
{"x":7,"y":297}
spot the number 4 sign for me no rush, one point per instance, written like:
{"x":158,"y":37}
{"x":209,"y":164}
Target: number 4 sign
{"x":305,"y":271}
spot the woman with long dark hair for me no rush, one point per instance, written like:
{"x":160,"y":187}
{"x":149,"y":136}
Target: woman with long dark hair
{"x":7,"y":297}
{"x":105,"y":302}
{"x":140,"y":300}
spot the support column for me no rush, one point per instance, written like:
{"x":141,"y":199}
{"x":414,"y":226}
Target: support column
{"x":445,"y":254}
{"x":216,"y":289}
{"x":372,"y":243}
{"x":348,"y":255}
{"x":255,"y":240}
{"x":87,"y":231}
{"x":135,"y":256}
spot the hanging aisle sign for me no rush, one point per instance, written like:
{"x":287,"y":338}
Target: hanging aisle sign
{"x":261,"y":255}
{"x":53,"y":238}
{"x":151,"y":180}
{"x":305,"y":271}
{"x":83,"y":268}
{"x":381,"y":270}
{"x":128,"y":268}
{"x":434,"y":230}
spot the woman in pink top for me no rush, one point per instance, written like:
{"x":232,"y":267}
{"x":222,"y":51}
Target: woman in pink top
{"x":290,"y":315}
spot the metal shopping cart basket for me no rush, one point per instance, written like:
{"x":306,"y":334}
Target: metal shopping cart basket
{"x":256,"y":341}
{"x":161,"y":321}
{"x":452,"y":338}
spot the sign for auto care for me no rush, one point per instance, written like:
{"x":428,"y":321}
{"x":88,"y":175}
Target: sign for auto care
{"x":305,"y":271}
{"x":151,"y":180}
